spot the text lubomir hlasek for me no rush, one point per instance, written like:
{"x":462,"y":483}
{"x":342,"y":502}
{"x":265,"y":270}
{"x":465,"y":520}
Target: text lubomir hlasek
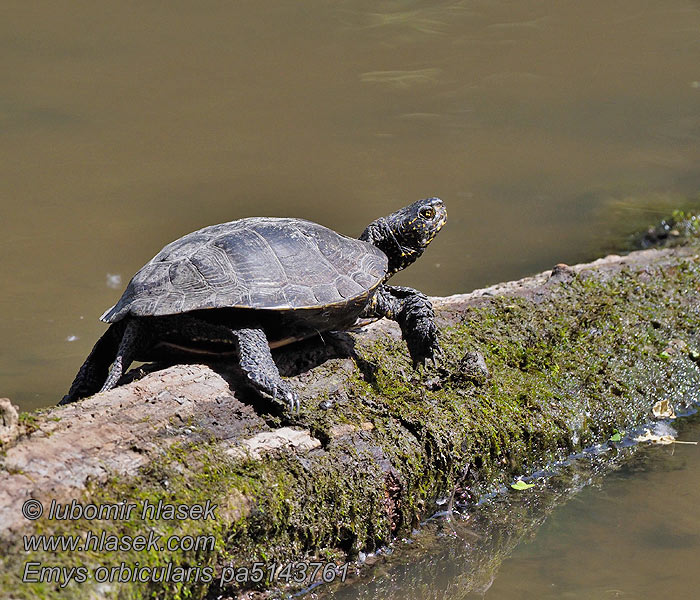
{"x":123,"y":511}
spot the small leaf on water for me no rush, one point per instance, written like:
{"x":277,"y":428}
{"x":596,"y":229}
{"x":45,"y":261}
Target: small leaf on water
{"x":616,"y":437}
{"x":654,"y":438}
{"x":521,"y":485}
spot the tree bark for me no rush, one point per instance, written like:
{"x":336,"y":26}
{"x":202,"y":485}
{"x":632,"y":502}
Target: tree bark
{"x":531,"y":371}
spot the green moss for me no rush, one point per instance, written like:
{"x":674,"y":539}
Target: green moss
{"x":28,"y":422}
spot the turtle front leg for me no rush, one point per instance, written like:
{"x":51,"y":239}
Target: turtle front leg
{"x":253,"y":349}
{"x":414,"y":313}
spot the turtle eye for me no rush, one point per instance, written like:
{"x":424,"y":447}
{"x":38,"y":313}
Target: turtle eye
{"x":427,"y":213}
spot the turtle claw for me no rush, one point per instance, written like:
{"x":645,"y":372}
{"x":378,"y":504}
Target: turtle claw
{"x":292,"y":399}
{"x":278,"y":389}
{"x":422,"y":342}
{"x":437,"y":356}
{"x":290,"y":396}
{"x":431,"y":360}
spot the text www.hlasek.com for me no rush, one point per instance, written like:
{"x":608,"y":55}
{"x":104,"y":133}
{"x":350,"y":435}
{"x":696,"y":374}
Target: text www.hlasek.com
{"x":106,"y":542}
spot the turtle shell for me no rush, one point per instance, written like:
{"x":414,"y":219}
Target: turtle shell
{"x":256,"y":263}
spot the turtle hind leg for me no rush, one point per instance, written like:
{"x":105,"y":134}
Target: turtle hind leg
{"x":133,"y":339}
{"x":95,"y":369}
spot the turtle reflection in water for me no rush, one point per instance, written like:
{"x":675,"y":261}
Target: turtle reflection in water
{"x":250,"y":284}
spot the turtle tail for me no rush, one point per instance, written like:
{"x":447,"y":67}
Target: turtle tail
{"x":95,"y":369}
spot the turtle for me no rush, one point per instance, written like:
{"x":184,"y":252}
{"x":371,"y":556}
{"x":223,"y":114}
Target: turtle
{"x":257,"y":283}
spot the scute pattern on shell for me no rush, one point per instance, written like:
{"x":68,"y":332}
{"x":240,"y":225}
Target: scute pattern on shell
{"x":257,"y":263}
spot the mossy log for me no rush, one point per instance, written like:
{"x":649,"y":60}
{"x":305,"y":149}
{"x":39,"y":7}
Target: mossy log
{"x":571,"y":355}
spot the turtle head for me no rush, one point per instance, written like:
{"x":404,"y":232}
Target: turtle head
{"x":403,"y":235}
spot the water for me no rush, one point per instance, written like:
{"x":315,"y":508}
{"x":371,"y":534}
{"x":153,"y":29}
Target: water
{"x":635,"y":537}
{"x":125,"y":126}
{"x":548,"y":127}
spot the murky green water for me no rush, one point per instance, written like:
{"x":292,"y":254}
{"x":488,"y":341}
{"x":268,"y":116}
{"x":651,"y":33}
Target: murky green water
{"x":547,"y":126}
{"x":636,"y":536}
{"x":126,"y":125}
